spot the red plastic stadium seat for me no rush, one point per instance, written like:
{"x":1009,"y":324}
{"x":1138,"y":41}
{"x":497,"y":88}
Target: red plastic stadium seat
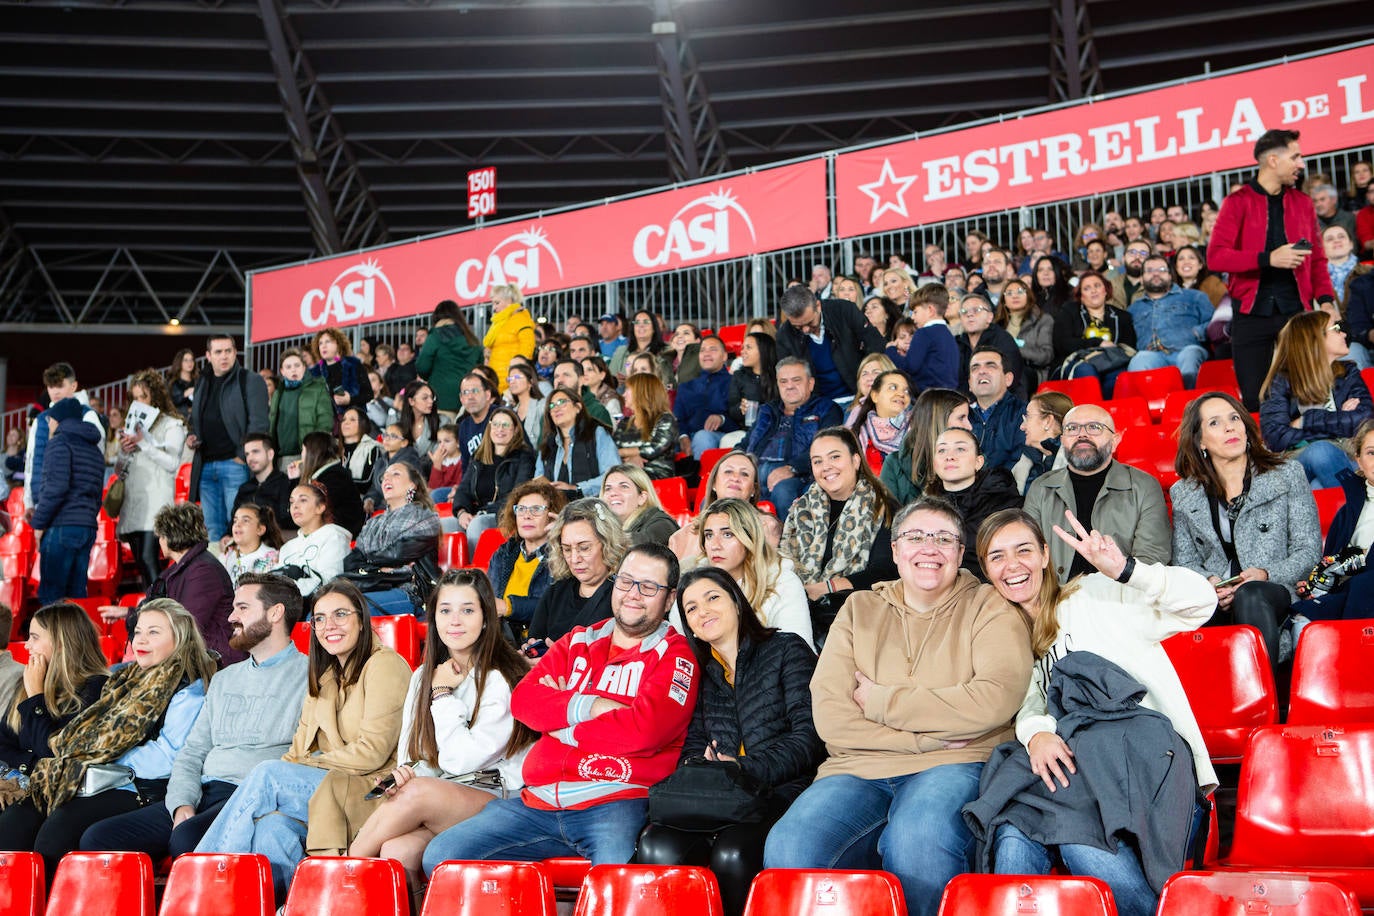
{"x":707,"y":463}
{"x":1174,"y":404}
{"x":1149,"y":448}
{"x":133,"y":599}
{"x":732,"y":335}
{"x":1333,"y":674}
{"x":1218,"y":375}
{"x":20,"y":651}
{"x":566,"y":871}
{"x":1226,"y":674}
{"x":401,"y":634}
{"x":976,"y":895}
{"x":21,"y":884}
{"x":183,"y":484}
{"x":489,"y":889}
{"x":103,"y":884}
{"x":12,"y":591}
{"x":672,"y":494}
{"x":487,"y":545}
{"x":453,"y":550}
{"x":1079,"y":390}
{"x":339,"y":885}
{"x":1368,"y":376}
{"x":14,"y":503}
{"x":300,"y":635}
{"x":445,"y":510}
{"x":102,"y":575}
{"x":1304,"y":804}
{"x":816,"y":892}
{"x":1128,"y":412}
{"x":1329,"y":502}
{"x":217,"y":884}
{"x":1220,"y":893}
{"x":1153,"y":385}
{"x":648,"y":890}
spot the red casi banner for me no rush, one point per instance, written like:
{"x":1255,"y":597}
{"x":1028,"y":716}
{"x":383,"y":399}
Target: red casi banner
{"x":686,"y":227}
{"x":1160,"y":135}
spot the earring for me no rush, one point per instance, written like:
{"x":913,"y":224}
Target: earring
{"x":410,"y":495}
{"x":1204,"y":452}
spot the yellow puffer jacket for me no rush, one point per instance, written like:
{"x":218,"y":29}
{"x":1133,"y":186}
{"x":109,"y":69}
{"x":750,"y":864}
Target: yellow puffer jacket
{"x":511,"y":334}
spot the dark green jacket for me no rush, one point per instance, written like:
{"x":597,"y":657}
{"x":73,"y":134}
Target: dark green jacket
{"x":445,"y":358}
{"x":314,"y":413}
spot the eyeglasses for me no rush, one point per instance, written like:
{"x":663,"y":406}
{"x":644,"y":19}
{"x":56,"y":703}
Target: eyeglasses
{"x":467,"y":391}
{"x":390,"y":435}
{"x":531,"y":510}
{"x":916,"y":537}
{"x":320,"y":621}
{"x":974,"y":310}
{"x":648,"y":589}
{"x":1092,"y":428}
{"x":501,"y":424}
{"x":1156,"y":270}
{"x":561,"y":402}
{"x":1138,"y":252}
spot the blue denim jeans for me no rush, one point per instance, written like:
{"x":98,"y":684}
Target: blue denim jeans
{"x":149,"y":829}
{"x":704,"y":439}
{"x":1014,"y":853}
{"x":219,"y":485}
{"x":510,"y":829}
{"x":267,"y":815}
{"x":1323,"y":461}
{"x":64,"y":558}
{"x":908,"y":825}
{"x":1189,"y":360}
{"x":391,"y":602}
{"x":785,"y":493}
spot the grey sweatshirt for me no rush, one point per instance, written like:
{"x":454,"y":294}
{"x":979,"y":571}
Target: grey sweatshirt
{"x":250,"y":715}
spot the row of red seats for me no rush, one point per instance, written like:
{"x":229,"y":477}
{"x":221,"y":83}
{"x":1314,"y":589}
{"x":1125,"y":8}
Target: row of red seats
{"x":121,"y":884}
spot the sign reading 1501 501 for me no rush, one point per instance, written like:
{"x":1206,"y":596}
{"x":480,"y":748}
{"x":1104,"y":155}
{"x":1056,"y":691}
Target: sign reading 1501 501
{"x":482,"y":192}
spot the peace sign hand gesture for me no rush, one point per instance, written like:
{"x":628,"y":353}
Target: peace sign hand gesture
{"x":1094,"y":546}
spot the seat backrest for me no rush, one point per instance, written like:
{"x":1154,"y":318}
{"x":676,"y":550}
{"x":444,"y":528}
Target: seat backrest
{"x":103,"y":884}
{"x":1175,"y":403}
{"x":340,"y":885}
{"x":21,"y":883}
{"x":399,"y":633}
{"x":1218,"y":375}
{"x":1333,"y":673}
{"x":732,"y":335}
{"x":182,"y":486}
{"x":1304,"y":798}
{"x":817,"y":892}
{"x":1329,"y":501}
{"x":1226,"y":674}
{"x":20,"y":652}
{"x":453,"y":550}
{"x":672,"y":494}
{"x":976,"y":895}
{"x":1128,"y":411}
{"x":1238,"y":893}
{"x":1151,"y":384}
{"x":1079,"y":390}
{"x":218,"y":884}
{"x":489,"y":889}
{"x":487,"y":545}
{"x":648,"y":890}
{"x":300,"y":635}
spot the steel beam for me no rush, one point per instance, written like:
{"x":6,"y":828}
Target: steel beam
{"x":1074,"y":69}
{"x":689,"y":122}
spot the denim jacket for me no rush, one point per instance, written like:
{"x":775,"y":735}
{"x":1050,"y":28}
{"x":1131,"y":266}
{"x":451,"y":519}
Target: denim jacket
{"x":812,"y":417}
{"x":1177,"y":320}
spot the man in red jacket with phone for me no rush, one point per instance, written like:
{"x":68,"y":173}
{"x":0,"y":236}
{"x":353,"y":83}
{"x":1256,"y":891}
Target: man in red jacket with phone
{"x":613,"y":701}
{"x":1267,"y":240}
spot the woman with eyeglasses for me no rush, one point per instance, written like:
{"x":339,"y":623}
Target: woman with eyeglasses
{"x":630,"y":494}
{"x":1043,"y":425}
{"x":577,"y":450}
{"x":1096,"y":339}
{"x":524,"y":396}
{"x":734,"y":476}
{"x":588,"y":545}
{"x":1243,"y":516}
{"x":906,"y":471}
{"x":647,"y":436}
{"x":395,"y":558}
{"x":501,"y":463}
{"x":916,"y":685}
{"x":1031,"y":328}
{"x":456,"y":726}
{"x":311,"y":800}
{"x":753,"y":710}
{"x":963,"y":478}
{"x":519,"y":569}
{"x":838,"y":533}
{"x":1117,"y":616}
{"x":1313,"y":397}
{"x":881,"y":418}
{"x":316,"y":554}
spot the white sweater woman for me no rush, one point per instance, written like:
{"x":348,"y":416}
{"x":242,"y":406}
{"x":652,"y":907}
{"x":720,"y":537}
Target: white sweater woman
{"x":463,"y":748}
{"x":320,"y":554}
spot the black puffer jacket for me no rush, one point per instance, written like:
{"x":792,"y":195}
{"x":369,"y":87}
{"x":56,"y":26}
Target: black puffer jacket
{"x":484,"y":487}
{"x":768,"y":711}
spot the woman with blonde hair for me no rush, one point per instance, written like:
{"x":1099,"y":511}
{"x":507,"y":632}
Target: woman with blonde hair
{"x":647,"y":436}
{"x":149,"y":460}
{"x":64,"y":674}
{"x":342,"y":372}
{"x":630,"y":494}
{"x":511,"y":332}
{"x":1313,"y":397}
{"x":588,"y":545}
{"x":898,"y":288}
{"x":735,"y":475}
{"x":138,"y":723}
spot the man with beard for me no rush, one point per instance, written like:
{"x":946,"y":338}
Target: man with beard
{"x":612,"y":702}
{"x":250,"y":715}
{"x":1267,"y":241}
{"x":1170,"y":323}
{"x":1107,"y":496}
{"x":864,"y":263}
{"x":1129,"y":281}
{"x":265,"y":486}
{"x":997,"y":271}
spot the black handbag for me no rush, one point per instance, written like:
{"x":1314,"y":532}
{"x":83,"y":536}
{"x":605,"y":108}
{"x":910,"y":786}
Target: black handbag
{"x":708,"y":795}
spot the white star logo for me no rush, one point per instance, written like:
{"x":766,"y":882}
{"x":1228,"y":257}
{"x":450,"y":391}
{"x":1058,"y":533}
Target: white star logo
{"x":888,"y":183}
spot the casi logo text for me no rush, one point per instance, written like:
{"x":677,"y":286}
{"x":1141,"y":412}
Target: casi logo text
{"x":516,"y":259}
{"x":701,"y":229}
{"x":352,"y":296}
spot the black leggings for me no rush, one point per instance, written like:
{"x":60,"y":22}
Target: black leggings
{"x":147,"y":555}
{"x":23,"y":828}
{"x":1264,"y":606}
{"x":735,"y":855}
